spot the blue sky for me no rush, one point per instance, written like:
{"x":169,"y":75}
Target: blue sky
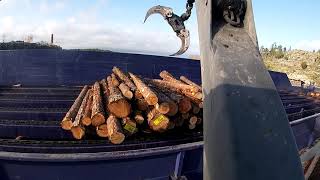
{"x":117,"y":24}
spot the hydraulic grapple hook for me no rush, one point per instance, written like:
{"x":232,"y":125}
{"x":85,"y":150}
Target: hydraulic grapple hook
{"x":177,"y":24}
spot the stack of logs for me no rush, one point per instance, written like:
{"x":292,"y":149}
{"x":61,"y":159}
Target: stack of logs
{"x":123,"y":104}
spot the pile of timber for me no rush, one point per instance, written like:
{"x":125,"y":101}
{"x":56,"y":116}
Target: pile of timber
{"x":121,"y":105}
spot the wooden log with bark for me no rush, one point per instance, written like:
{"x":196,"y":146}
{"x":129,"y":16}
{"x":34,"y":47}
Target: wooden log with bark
{"x":157,"y":122}
{"x":149,"y":95}
{"x":66,"y":123}
{"x":195,"y":109}
{"x":98,"y":112}
{"x":115,"y":132}
{"x":142,"y":104}
{"x":125,"y":90}
{"x":177,"y":87}
{"x":191,"y":83}
{"x":124,"y":78}
{"x":165,"y":75}
{"x":114,"y":80}
{"x":129,"y":126}
{"x":117,"y":104}
{"x":138,"y":117}
{"x":77,"y":130}
{"x":86,"y":119}
{"x":102,"y":130}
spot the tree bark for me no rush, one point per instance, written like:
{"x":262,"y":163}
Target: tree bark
{"x":177,"y":87}
{"x":86,"y":119}
{"x":115,"y":132}
{"x":98,"y":113}
{"x":66,"y":123}
{"x":179,"y":84}
{"x":125,"y":91}
{"x":157,"y":121}
{"x":129,"y":126}
{"x":147,"y":93}
{"x":102,"y":130}
{"x":77,"y":129}
{"x":124,"y":78}
{"x":115,"y":81}
{"x":184,"y":104}
{"x":191,"y":83}
{"x":117,"y":104}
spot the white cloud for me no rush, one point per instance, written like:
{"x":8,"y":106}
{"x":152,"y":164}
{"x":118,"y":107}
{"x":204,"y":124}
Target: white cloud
{"x":84,"y":30}
{"x":308,"y":45}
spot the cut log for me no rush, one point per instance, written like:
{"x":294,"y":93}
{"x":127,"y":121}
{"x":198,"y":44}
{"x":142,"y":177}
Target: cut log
{"x":66,"y":123}
{"x":115,"y":132}
{"x":126,"y":91}
{"x":184,"y":105}
{"x":138,"y":117}
{"x":102,"y":130}
{"x":193,"y":120}
{"x":129,"y":126}
{"x":78,"y":132}
{"x":115,"y":81}
{"x":195,"y":109}
{"x":199,"y":120}
{"x":176,"y":87}
{"x":77,"y":128}
{"x":191,"y":126}
{"x":86,"y":119}
{"x":198,"y":102}
{"x":124,"y":78}
{"x":178,"y":84}
{"x":157,"y":121}
{"x":148,"y":94}
{"x":163,"y":107}
{"x":98,"y":113}
{"x":164,"y":100}
{"x":137,"y":95}
{"x":117,"y":104}
{"x":142,"y":104}
{"x":80,"y":114}
{"x":191,"y":83}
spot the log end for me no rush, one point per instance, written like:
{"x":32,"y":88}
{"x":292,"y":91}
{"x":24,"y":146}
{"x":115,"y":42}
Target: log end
{"x":163,"y":108}
{"x":117,"y":138}
{"x":102,"y":130}
{"x":120,"y":108}
{"x":128,"y":95}
{"x":185,"y":105}
{"x":86,"y":121}
{"x":173,"y":109}
{"x":98,"y":119}
{"x":66,"y":124}
{"x":159,"y":123}
{"x":199,"y":120}
{"x":77,"y":132}
{"x":152,"y":100}
{"x":139,"y":119}
{"x":193,"y":120}
{"x":192,"y":126}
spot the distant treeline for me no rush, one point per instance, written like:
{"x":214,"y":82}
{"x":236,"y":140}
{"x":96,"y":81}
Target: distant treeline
{"x":26,"y":45}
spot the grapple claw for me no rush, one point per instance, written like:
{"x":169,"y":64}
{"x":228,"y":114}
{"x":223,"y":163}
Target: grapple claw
{"x":166,"y":12}
{"x":177,"y":24}
{"x":184,"y":35}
